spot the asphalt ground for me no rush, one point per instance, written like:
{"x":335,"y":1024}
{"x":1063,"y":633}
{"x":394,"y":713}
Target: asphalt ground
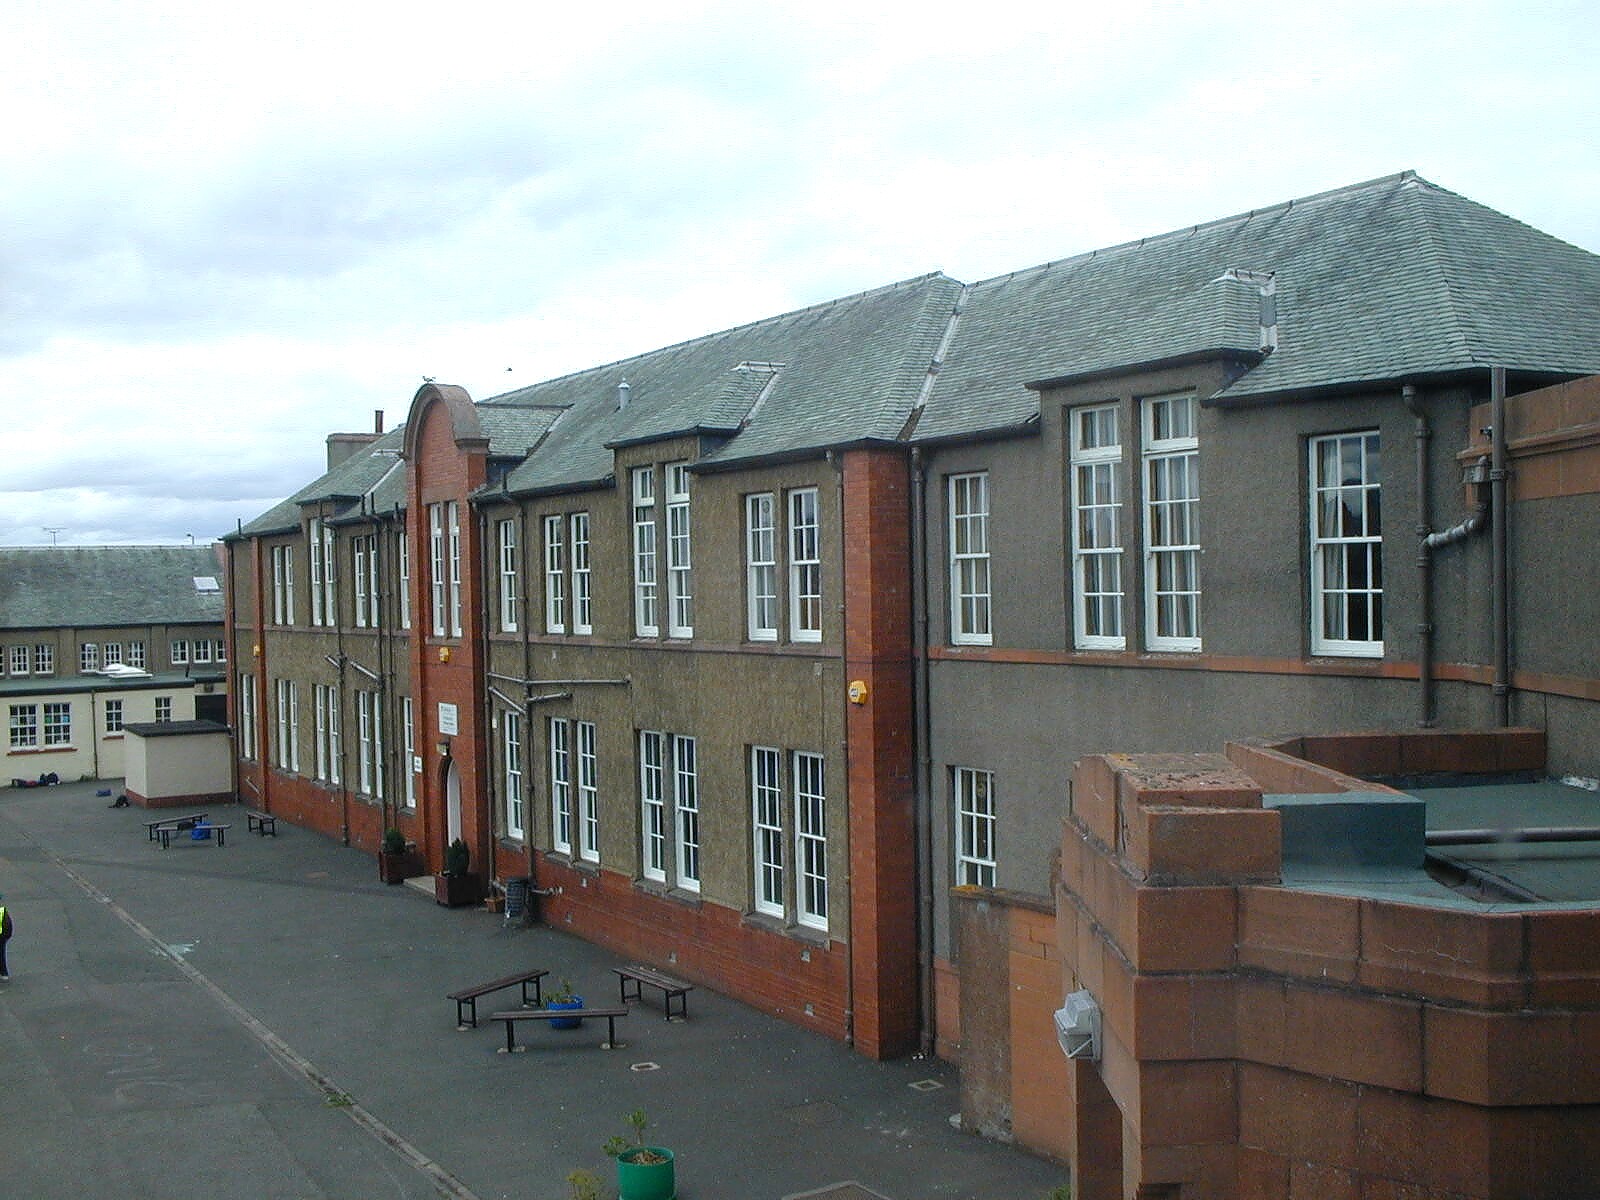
{"x":265,"y":1019}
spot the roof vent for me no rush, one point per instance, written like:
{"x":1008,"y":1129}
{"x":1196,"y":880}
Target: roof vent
{"x":1267,"y":282}
{"x":623,"y":392}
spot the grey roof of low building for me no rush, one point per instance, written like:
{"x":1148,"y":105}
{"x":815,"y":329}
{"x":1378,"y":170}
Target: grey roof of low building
{"x":44,"y":587}
{"x":1395,"y":279}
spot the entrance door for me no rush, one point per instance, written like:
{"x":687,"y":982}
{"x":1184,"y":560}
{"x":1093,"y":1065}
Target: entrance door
{"x":452,"y":802}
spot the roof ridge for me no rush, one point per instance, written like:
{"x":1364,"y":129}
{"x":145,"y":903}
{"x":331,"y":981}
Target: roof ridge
{"x":820,"y":306}
{"x":1399,"y":177}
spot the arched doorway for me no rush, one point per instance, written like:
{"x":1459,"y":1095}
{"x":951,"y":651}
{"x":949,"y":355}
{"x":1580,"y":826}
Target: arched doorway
{"x":452,"y":801}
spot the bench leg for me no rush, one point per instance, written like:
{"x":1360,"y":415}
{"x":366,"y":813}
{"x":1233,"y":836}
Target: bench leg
{"x":683,"y":1005}
{"x":611,"y":1034}
{"x":221,"y":835}
{"x":511,"y":1038}
{"x":467,"y":1014}
{"x":538,"y":994}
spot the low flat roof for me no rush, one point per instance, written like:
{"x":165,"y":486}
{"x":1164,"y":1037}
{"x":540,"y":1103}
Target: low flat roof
{"x":41,"y":685}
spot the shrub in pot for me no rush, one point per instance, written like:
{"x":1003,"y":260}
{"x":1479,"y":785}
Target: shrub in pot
{"x":643,"y":1172}
{"x":457,"y":885}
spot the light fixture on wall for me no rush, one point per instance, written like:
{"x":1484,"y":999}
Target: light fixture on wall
{"x":444,"y":748}
{"x":444,"y":653}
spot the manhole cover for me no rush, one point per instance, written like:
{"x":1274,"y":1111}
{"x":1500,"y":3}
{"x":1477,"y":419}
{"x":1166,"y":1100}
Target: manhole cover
{"x":925,"y":1085}
{"x":820,"y":1112}
{"x":850,"y":1190}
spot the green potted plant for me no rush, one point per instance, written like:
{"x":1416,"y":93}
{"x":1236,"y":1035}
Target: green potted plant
{"x":585,"y":1185}
{"x":457,"y":885}
{"x":396,"y":857}
{"x":643,"y":1172}
{"x":563,"y":998}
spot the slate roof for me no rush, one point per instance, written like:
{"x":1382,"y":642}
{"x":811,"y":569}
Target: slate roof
{"x":43,"y":587}
{"x":1393,"y":279}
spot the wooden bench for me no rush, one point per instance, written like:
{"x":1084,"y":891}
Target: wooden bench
{"x":260,"y":822}
{"x":219,"y":833}
{"x":554,"y":1014}
{"x":152,"y":828}
{"x":467,"y":998}
{"x":671,"y":989}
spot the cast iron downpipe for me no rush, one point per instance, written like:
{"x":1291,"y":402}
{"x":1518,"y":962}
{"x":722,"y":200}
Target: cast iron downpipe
{"x":1497,"y":584}
{"x":1427,"y":542}
{"x":920,"y":734}
{"x":835,"y":460}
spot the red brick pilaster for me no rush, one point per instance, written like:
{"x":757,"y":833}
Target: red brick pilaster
{"x":879,"y":735}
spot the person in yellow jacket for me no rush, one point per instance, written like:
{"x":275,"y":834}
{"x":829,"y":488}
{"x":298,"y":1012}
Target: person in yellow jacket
{"x":5,"y":936}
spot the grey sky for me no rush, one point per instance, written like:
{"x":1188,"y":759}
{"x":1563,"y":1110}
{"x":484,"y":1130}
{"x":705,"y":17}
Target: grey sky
{"x":228,"y":234}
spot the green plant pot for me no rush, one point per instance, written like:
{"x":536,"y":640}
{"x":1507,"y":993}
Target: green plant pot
{"x":647,"y":1181}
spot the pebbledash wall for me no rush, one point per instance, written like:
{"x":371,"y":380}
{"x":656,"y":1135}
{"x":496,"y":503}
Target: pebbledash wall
{"x":1268,"y":1041}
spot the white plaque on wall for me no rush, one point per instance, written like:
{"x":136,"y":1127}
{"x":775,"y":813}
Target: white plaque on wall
{"x":447,"y":719}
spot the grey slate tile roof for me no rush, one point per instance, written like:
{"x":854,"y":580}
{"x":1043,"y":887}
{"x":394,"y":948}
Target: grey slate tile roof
{"x":1384,"y":280}
{"x":1388,"y":280}
{"x":53,"y":586}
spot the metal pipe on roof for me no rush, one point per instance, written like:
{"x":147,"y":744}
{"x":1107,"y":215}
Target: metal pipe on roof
{"x":1532,"y":833}
{"x":1421,"y":436}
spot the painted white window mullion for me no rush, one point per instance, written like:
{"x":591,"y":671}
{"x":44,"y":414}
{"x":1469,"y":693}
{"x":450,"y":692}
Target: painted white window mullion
{"x":560,"y":785}
{"x":588,"y":793}
{"x":969,"y":560}
{"x":1172,"y":523}
{"x":646,"y":620}
{"x":1097,"y":549}
{"x":506,"y":542}
{"x":680,"y":578}
{"x":975,"y":827}
{"x":805,"y":567}
{"x":582,"y":619}
{"x":1346,"y":546}
{"x":766,"y":815}
{"x":652,"y":802}
{"x":686,"y":812}
{"x":511,"y":726}
{"x":811,"y":840}
{"x":436,"y":578}
{"x":761,"y":568}
{"x":453,"y":518}
{"x":555,"y":575}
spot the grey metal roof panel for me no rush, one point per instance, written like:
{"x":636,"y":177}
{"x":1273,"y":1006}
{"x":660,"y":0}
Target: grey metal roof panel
{"x":53,"y":586}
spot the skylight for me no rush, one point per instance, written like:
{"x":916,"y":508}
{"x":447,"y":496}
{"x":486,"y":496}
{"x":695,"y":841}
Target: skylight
{"x":206,"y":583}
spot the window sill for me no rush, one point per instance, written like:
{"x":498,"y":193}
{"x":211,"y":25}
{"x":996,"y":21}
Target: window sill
{"x":31,"y":751}
{"x":665,"y":891}
{"x":782,"y":927}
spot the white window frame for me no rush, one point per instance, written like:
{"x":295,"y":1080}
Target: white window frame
{"x":288,"y":721}
{"x":113,"y":716}
{"x":323,"y":711}
{"x":164,"y":714}
{"x":179,"y":650}
{"x":810,"y":839}
{"x":970,"y":607}
{"x":44,"y":658}
{"x":511,"y":758}
{"x":686,"y":812}
{"x":555,"y":574}
{"x":403,"y":562}
{"x":805,"y":565}
{"x":436,"y":581}
{"x":136,"y":654}
{"x":247,"y":716}
{"x":506,"y":549}
{"x":652,"y":806}
{"x":364,"y":560}
{"x":408,"y":727}
{"x":1098,"y":553}
{"x":202,"y":651}
{"x":766,"y":820}
{"x":55,"y":722}
{"x":561,"y":813}
{"x":582,"y":581}
{"x":646,"y":590}
{"x":588,"y":792}
{"x":324,"y":574}
{"x":680,"y":570}
{"x":23,"y":727}
{"x":973,"y":794}
{"x":89,"y":656}
{"x":19,"y":660}
{"x":453,"y":516}
{"x":761,"y":567}
{"x":366,"y":754}
{"x":1357,"y":543}
{"x":1171,"y":511}
{"x":111,"y":654}
{"x":283,"y":585}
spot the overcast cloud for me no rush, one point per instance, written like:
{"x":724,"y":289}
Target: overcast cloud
{"x":228,"y":234}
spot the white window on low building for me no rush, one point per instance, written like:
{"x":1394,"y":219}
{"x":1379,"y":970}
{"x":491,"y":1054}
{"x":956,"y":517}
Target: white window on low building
{"x":805,"y":567}
{"x":511,"y":758}
{"x":58,"y":725}
{"x":164,"y":714}
{"x":582,"y":617}
{"x":113,"y":714}
{"x":510,"y":581}
{"x":969,"y":560}
{"x":652,"y":806}
{"x":136,"y":654}
{"x":18,"y":656}
{"x":561,"y":784}
{"x":975,"y":826}
{"x":555,"y":574}
{"x":646,"y":621}
{"x":1346,"y":546}
{"x":766,"y":814}
{"x":1172,"y":523}
{"x":24,"y":727}
{"x":761,"y":567}
{"x":44,"y":658}
{"x":680,"y":577}
{"x":588,"y":793}
{"x":89,"y":656}
{"x":811,"y":839}
{"x":408,"y":724}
